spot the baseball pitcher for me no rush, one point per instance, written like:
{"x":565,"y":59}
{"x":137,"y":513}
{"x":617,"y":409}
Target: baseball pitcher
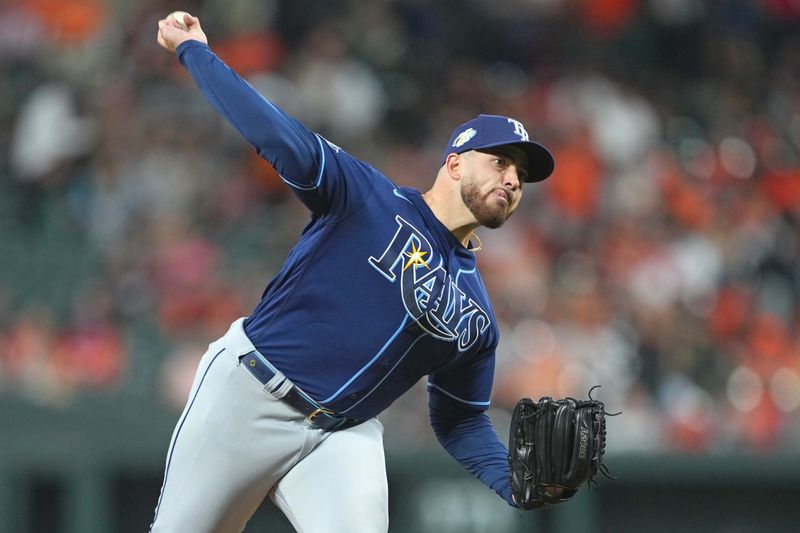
{"x":381,"y":289}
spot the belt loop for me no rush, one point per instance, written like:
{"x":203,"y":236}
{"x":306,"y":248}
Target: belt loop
{"x":281,"y":389}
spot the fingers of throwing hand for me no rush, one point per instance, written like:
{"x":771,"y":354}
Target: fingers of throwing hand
{"x":169,"y":35}
{"x":160,"y":35}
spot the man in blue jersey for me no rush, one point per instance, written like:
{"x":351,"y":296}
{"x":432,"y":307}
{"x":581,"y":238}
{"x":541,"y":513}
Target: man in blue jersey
{"x":380,"y":290}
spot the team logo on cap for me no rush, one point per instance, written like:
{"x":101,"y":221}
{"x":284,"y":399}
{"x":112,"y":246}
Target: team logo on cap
{"x":464,"y":136}
{"x":519,"y":129}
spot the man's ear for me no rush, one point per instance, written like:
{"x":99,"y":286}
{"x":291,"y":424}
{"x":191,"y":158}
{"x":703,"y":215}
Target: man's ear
{"x":454,"y":164}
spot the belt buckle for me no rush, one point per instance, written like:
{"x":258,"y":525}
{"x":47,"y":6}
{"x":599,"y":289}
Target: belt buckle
{"x":319,"y":411}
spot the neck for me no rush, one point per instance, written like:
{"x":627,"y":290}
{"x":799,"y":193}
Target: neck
{"x":456,"y":218}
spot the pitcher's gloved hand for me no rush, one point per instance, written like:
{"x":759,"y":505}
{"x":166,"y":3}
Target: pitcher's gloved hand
{"x":555,"y":447}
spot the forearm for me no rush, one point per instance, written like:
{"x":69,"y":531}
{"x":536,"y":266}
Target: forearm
{"x":278,"y":138}
{"x":471,"y":439}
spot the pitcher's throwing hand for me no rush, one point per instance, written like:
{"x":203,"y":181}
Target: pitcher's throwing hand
{"x":171,"y":35}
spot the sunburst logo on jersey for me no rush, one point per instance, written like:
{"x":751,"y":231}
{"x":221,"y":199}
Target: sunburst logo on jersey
{"x":415,"y":258}
{"x":464,"y":136}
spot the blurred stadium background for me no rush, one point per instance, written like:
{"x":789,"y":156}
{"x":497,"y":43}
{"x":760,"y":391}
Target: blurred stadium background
{"x":662,"y":260}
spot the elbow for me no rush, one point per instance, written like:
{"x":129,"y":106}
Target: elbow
{"x":295,"y":161}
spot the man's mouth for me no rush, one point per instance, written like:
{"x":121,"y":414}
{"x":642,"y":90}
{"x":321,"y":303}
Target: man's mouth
{"x":502,"y":193}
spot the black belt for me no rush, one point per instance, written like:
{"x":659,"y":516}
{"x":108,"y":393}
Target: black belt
{"x":316,"y":415}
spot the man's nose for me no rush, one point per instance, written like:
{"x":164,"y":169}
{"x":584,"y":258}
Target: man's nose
{"x":511,"y":178}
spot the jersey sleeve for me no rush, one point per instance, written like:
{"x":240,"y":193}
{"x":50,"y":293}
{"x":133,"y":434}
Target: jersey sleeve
{"x":322,"y":175}
{"x":468,"y":386}
{"x":457,"y":400}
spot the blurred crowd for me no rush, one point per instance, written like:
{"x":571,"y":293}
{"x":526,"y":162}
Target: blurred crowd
{"x":661,"y":260}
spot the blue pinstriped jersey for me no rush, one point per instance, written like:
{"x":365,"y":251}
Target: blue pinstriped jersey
{"x":377,"y":292}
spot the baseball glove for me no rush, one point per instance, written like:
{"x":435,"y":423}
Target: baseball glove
{"x":555,"y":447}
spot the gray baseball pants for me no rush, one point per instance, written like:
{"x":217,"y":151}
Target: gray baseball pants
{"x":237,"y":443}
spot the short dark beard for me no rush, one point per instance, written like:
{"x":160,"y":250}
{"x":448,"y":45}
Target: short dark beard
{"x":486,"y":215}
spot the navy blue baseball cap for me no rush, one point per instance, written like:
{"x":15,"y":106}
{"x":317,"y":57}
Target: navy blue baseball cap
{"x":488,"y":131}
